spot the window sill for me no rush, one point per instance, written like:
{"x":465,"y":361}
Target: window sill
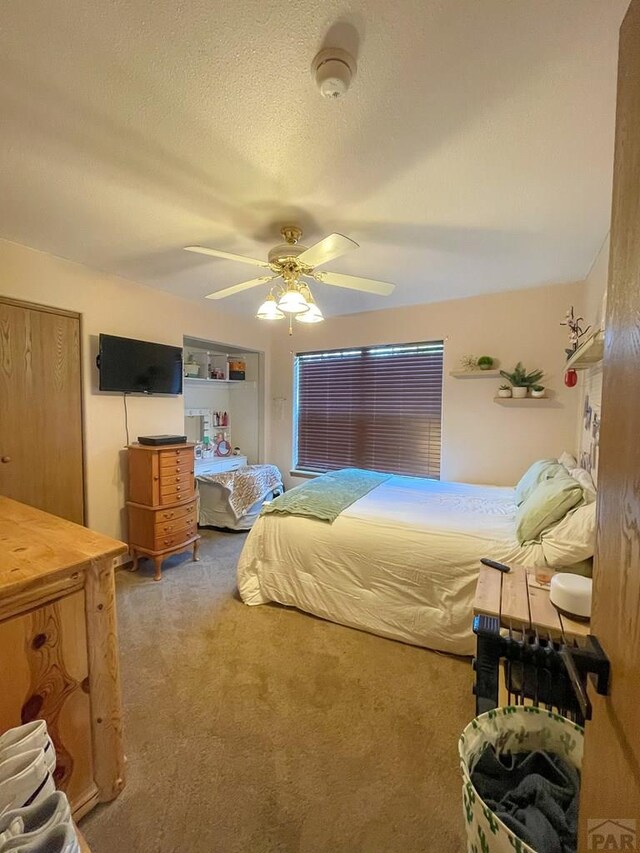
{"x":308,"y":475}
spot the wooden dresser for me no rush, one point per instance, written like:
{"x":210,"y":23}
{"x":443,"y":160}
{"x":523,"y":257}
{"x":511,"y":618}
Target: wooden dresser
{"x":59,"y":646}
{"x":162,"y":502}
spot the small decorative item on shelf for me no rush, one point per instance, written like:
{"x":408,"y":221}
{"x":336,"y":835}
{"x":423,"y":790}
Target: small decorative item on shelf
{"x":237,"y":369}
{"x":469,"y":362}
{"x":504,"y":391}
{"x":575,"y":331}
{"x":191,"y":368}
{"x":571,"y":378}
{"x":485,"y":362}
{"x":538,"y":391}
{"x":520,"y":380}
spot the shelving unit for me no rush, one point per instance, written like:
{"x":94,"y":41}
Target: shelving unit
{"x":475,"y":374}
{"x":541,"y":402}
{"x":588,"y":353}
{"x":204,"y":380}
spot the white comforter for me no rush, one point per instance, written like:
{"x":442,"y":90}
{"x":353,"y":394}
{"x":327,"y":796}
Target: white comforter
{"x":401,"y":562}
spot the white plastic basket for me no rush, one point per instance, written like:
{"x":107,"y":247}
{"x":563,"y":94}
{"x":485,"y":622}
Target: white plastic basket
{"x":510,"y":729}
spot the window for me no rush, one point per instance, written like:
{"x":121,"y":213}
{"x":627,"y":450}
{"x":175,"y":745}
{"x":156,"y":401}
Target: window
{"x":378,"y":408}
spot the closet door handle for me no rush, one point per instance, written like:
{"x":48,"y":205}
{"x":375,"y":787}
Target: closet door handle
{"x":5,"y":459}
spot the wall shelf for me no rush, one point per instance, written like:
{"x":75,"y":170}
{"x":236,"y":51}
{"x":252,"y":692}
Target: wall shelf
{"x":529,"y":402}
{"x":202,"y":380}
{"x":588,"y":353}
{"x":475,"y":374}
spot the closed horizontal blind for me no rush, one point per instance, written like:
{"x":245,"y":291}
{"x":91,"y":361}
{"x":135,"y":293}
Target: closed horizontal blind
{"x":378,"y":408}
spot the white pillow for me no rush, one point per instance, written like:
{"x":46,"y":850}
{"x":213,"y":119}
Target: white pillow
{"x":586,"y":481}
{"x":571,"y":540}
{"x":567,"y":460}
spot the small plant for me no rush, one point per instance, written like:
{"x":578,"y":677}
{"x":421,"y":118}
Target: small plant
{"x":469,"y":362}
{"x":537,"y":388}
{"x":485,"y":362}
{"x":519,"y":378}
{"x":504,"y":388}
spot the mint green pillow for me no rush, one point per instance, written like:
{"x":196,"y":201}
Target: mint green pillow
{"x":543,"y":469}
{"x":548,"y":503}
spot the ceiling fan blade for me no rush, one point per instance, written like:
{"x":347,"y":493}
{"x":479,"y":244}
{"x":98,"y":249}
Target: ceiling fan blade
{"x":238,"y":288}
{"x":354,"y":282}
{"x":216,"y":253}
{"x":326,"y":250}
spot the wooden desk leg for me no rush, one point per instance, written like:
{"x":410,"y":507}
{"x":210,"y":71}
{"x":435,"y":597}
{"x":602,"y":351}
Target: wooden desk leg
{"x":196,"y":549}
{"x":135,"y":557}
{"x":104,"y":679}
{"x":157,"y":562}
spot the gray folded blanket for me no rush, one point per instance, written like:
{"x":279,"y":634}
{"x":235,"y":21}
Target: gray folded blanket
{"x":535,"y":794}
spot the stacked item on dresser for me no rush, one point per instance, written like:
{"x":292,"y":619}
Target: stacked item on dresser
{"x":34,"y":817}
{"x":233,"y":499}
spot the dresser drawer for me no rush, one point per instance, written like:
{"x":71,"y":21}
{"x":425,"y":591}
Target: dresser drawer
{"x":178,"y":512}
{"x":174,"y":457}
{"x":172,"y":540}
{"x":169,"y":479}
{"x":162,"y":528}
{"x":182,"y":466}
{"x":176,"y":495}
{"x":182,"y":486}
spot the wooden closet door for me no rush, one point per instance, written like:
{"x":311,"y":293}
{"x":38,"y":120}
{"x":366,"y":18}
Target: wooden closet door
{"x":41,"y":459}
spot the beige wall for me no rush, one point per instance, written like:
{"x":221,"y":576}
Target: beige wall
{"x":595,"y":287}
{"x":483,"y":442}
{"x":118,"y":307}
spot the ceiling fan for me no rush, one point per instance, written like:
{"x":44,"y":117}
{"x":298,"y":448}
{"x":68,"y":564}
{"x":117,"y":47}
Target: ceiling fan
{"x":290,"y":262}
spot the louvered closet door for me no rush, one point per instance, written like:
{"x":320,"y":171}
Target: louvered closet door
{"x":378,"y":408}
{"x":41,"y":460}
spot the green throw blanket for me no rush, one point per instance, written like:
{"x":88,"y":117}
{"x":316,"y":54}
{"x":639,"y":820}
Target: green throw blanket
{"x":326,"y":496}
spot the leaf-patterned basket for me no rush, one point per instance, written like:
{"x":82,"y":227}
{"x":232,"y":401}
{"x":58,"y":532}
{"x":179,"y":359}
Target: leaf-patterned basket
{"x":511,"y":729}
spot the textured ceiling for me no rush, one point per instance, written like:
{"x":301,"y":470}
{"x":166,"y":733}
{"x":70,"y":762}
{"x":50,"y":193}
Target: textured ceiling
{"x":473,"y":153}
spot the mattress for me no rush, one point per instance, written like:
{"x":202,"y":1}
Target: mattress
{"x":401,"y":562}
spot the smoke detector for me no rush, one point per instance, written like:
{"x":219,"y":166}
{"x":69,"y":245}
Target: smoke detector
{"x":333,"y":70}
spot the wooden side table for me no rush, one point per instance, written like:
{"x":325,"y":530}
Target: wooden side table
{"x":59,"y":647}
{"x":518,"y":605}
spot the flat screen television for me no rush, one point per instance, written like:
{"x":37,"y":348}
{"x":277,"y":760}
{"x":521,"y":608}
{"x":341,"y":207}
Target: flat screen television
{"x":139,"y":367}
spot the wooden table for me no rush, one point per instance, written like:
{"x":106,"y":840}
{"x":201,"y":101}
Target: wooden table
{"x":515,"y":602}
{"x":59,"y":646}
{"x":520,"y":602}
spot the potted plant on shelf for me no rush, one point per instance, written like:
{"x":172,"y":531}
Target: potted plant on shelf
{"x":485,"y":362}
{"x":538,"y":391}
{"x":504,"y":391}
{"x":520,"y":380}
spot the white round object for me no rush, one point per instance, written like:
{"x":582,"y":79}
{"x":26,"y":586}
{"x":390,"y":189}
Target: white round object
{"x":571,"y":594}
{"x":333,"y":69}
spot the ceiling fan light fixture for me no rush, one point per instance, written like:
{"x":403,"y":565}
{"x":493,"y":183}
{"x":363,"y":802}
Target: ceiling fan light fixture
{"x":292,"y":301}
{"x":314,"y":314}
{"x":269,"y":310}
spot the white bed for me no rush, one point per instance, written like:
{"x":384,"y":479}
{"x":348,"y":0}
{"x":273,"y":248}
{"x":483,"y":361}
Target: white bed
{"x":401,"y":562}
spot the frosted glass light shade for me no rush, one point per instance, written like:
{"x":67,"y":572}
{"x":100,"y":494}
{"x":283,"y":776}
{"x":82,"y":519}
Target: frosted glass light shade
{"x":269,"y":310}
{"x":293,"y":302}
{"x":313,"y":315}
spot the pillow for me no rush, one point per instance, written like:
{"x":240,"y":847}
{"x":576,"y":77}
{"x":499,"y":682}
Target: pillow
{"x":548,"y":502}
{"x":586,"y":481}
{"x":573,"y":539}
{"x":568,"y":461}
{"x":541,"y":470}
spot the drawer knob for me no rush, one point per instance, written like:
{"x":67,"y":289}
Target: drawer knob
{"x":5,"y":459}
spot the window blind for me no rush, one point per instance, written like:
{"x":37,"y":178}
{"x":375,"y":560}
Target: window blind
{"x":378,"y":408}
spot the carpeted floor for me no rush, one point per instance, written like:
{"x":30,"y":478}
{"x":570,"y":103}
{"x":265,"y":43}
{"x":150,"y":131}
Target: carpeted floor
{"x":251,"y":730}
